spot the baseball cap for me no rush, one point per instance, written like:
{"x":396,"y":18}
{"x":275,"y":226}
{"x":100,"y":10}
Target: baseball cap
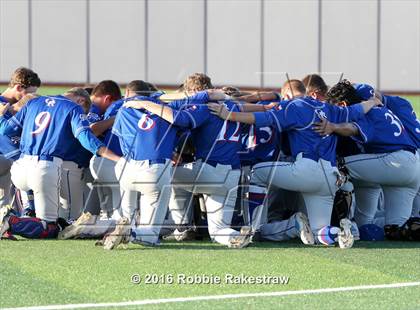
{"x":364,"y":91}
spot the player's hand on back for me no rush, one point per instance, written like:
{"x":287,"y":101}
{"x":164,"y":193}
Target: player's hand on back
{"x":324,"y":127}
{"x":219,"y":109}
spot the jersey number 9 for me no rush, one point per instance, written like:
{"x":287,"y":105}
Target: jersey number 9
{"x":42,"y":120}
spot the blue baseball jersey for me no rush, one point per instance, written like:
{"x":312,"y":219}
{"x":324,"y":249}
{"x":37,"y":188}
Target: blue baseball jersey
{"x":400,"y":107}
{"x":47,"y":125}
{"x":381,"y":131}
{"x":259,"y":144}
{"x":405,"y":112}
{"x":144,"y":135}
{"x":94,"y":115}
{"x":3,"y":100}
{"x":9,"y":146}
{"x":110,"y":139}
{"x":214,"y":139}
{"x":297,"y":117}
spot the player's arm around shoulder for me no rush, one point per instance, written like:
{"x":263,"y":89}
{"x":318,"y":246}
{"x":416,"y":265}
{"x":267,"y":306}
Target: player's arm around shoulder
{"x":160,"y":109}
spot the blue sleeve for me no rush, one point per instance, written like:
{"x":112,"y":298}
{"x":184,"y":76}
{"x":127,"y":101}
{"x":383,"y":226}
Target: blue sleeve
{"x":78,"y":121}
{"x":191,"y":116}
{"x":348,"y":114}
{"x":365,"y":130}
{"x":88,"y":140}
{"x":116,"y":128}
{"x":82,"y":132}
{"x":13,"y":126}
{"x":282,"y":118}
{"x":199,"y":98}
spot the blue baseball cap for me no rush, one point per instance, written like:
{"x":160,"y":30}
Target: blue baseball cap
{"x":371,"y":232}
{"x":364,"y":91}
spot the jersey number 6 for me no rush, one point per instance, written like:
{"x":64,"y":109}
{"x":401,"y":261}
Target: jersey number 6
{"x":42,"y":120}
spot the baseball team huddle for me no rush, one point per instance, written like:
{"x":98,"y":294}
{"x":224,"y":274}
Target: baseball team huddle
{"x":326,"y":165}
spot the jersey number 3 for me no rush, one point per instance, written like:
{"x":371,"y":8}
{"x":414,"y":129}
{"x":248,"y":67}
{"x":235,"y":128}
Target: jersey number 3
{"x":42,"y":120}
{"x":395,"y":121}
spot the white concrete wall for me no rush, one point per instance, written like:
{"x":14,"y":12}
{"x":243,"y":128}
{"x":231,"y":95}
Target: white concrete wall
{"x":237,"y":42}
{"x":400,"y":45}
{"x":13,"y":37}
{"x":290,"y":40}
{"x":234,"y":42}
{"x":59,"y":40}
{"x":176,"y":40}
{"x":117,"y":40}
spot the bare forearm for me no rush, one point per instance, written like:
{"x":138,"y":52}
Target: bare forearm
{"x":259,"y":96}
{"x":242,"y":117}
{"x":172,"y":96}
{"x":252,"y":107}
{"x":98,"y":128}
{"x":345,"y":129}
{"x":369,"y":104}
{"x":108,"y":154}
{"x":163,"y":111}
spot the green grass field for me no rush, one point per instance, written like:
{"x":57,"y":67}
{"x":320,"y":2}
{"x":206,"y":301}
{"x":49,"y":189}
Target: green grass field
{"x":73,"y":272}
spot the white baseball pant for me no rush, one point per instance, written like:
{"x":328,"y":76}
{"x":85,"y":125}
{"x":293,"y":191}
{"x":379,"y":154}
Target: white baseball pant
{"x":71,"y":191}
{"x":398,"y":175}
{"x":43,"y":178}
{"x":316,"y":180}
{"x":152,"y":182}
{"x":5,"y":180}
{"x":106,"y":183}
{"x":219,"y":186}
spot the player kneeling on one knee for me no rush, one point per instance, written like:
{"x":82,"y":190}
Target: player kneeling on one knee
{"x":215,"y":174}
{"x":314,"y":172}
{"x":389,"y":162}
{"x":143,"y":172}
{"x":46,"y":125}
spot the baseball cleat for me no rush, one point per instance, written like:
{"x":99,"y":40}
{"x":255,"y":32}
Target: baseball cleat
{"x":180,"y":236}
{"x":345,"y":237}
{"x":4,"y":219}
{"x":242,"y":240}
{"x":121,"y":235}
{"x":8,"y":236}
{"x":305,"y":232}
{"x":77,"y":227}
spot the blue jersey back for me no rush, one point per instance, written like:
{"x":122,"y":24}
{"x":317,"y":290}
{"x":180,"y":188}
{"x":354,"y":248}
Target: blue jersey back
{"x":143,"y":135}
{"x":47,"y":125}
{"x":259,"y":144}
{"x":214,"y":139}
{"x":381,"y":131}
{"x":405,"y":112}
{"x":400,"y":107}
{"x":297,"y":117}
{"x":111,"y":140}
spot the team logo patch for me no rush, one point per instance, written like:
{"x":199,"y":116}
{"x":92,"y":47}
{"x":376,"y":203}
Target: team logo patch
{"x":50,"y":102}
{"x":321,"y":114}
{"x":146,"y":123}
